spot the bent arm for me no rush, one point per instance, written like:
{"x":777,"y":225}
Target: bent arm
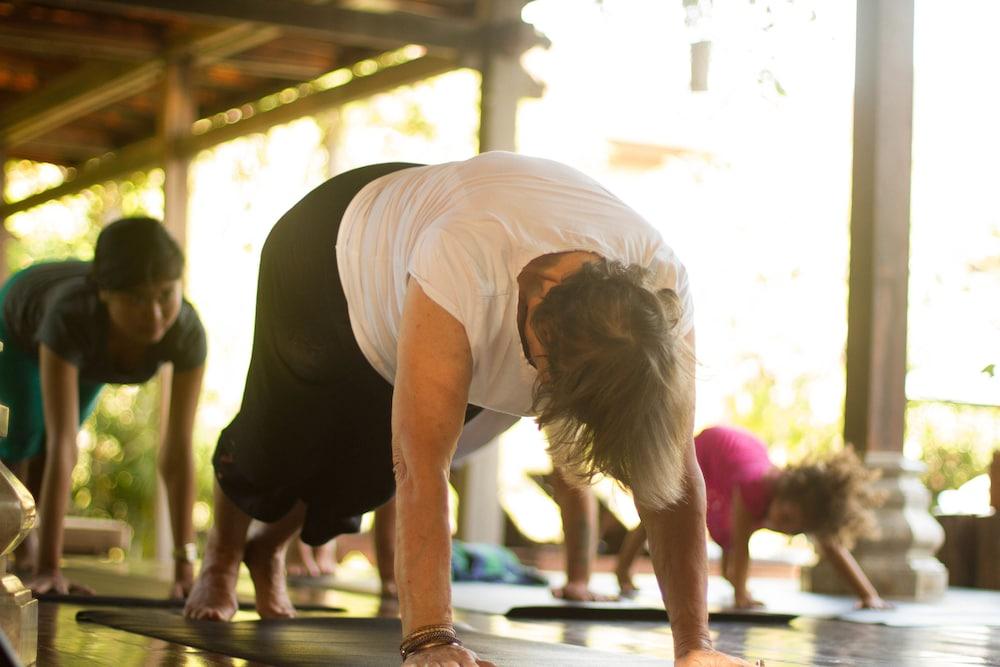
{"x":61,"y":408}
{"x":176,"y":457}
{"x":428,"y":411}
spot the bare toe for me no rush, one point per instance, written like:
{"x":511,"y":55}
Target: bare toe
{"x":212,"y":598}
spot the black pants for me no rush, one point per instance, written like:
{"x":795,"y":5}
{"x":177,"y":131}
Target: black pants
{"x":315,"y":421}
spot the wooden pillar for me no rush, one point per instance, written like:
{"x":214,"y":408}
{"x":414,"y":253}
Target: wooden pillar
{"x":880,"y":227}
{"x":178,"y":114}
{"x":901,"y":561}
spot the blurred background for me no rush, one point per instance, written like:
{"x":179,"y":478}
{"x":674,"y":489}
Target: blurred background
{"x":748,"y":180}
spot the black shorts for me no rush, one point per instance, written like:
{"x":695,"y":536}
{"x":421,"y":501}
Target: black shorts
{"x":315,"y":421}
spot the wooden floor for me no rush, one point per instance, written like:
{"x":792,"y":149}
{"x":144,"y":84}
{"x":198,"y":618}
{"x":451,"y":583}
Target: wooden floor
{"x":805,"y":641}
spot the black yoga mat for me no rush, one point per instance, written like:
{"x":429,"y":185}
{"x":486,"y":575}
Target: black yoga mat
{"x":537,"y":603}
{"x":153,"y":603}
{"x":604,"y":611}
{"x":341,"y":642}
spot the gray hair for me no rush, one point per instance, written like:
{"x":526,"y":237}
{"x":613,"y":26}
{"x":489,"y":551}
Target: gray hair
{"x":618,"y":395}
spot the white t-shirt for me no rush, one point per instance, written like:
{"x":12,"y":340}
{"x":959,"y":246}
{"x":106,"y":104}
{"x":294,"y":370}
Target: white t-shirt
{"x":465,"y":231}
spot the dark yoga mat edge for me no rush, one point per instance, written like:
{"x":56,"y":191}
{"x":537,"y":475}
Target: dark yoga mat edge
{"x":153,"y":603}
{"x":606,"y":613}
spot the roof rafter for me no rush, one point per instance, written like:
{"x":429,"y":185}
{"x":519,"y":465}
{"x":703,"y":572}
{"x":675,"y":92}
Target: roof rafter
{"x":346,"y":26}
{"x":96,"y":86}
{"x":143,"y":154}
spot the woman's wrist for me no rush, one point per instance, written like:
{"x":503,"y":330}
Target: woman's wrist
{"x":185,"y":553}
{"x":428,"y":637}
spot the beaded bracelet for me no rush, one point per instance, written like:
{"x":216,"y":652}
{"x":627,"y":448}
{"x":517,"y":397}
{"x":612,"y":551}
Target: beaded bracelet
{"x":410,"y":644}
{"x":420,"y":638}
{"x":429,"y":644}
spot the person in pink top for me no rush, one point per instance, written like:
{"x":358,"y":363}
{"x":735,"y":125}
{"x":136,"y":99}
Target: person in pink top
{"x":745,"y":492}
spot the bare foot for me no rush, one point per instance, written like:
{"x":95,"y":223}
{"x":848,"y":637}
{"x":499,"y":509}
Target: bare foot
{"x":326,"y":557}
{"x":579,"y":591}
{"x":267,"y":570}
{"x":300,"y":561}
{"x":213,"y":596}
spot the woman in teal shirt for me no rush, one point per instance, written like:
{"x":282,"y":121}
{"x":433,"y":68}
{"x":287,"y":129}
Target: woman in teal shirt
{"x":69,"y":328}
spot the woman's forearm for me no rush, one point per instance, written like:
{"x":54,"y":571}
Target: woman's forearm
{"x":177,"y":468}
{"x":385,"y":541}
{"x":423,"y":549}
{"x":849,"y":569}
{"x":676,"y":538}
{"x":56,"y":483}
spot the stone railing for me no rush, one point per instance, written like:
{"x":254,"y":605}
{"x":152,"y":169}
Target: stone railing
{"x":18,"y":610}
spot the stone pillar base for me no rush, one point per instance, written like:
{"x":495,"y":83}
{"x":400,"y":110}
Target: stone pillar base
{"x":900,"y":562}
{"x":18,"y":611}
{"x":19,"y":617}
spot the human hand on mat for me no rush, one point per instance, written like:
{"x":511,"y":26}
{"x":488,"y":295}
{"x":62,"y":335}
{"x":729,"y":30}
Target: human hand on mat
{"x":579,"y":591}
{"x":712,"y":658}
{"x":55,"y":582}
{"x":873,"y":602}
{"x":183,"y":580}
{"x":446,"y":656}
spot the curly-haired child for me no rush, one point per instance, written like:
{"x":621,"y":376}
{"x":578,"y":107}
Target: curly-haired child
{"x":829,"y":499}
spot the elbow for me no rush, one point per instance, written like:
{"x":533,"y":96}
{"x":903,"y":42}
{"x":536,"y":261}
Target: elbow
{"x":418,"y":481}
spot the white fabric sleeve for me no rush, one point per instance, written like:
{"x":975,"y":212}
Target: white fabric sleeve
{"x":445,"y":272}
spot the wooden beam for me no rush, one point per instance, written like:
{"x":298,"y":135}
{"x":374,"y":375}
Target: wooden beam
{"x":387,"y":79}
{"x":98,"y":85}
{"x":176,"y":118}
{"x":345,"y":26}
{"x":146,"y":153}
{"x":76,"y":94}
{"x":875,"y":403}
{"x":135,"y":157}
{"x":53,"y":43}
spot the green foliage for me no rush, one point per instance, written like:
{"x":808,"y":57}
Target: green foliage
{"x":789,"y":426}
{"x":116,"y":475}
{"x":956,"y":441}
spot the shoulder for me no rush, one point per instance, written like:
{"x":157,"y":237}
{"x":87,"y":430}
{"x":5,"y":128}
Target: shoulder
{"x":73,"y":298}
{"x":188,"y":324}
{"x":477,"y":250}
{"x":186,"y":343}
